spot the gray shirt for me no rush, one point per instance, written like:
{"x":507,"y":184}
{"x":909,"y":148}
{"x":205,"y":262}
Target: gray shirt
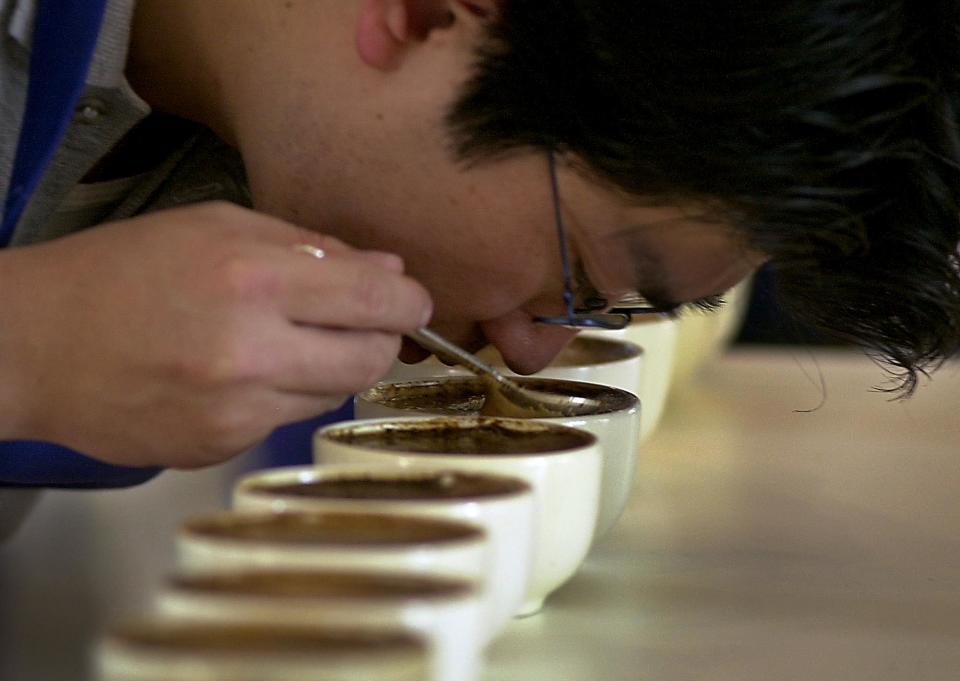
{"x":201,"y":168}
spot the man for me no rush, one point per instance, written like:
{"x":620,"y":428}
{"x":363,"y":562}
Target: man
{"x":692,"y":145}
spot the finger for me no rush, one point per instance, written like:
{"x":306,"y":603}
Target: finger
{"x":322,"y":362}
{"x":319,"y":245}
{"x":324,"y":244}
{"x":288,"y":235}
{"x":389,"y":261}
{"x":245,"y":425}
{"x":259,"y":226}
{"x":350,"y":292}
{"x":296,"y":406}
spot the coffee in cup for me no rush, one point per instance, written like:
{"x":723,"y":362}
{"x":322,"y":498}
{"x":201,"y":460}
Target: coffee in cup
{"x":233,"y":540}
{"x":502,"y":505}
{"x":171,"y":650}
{"x":562,"y":466}
{"x":445,"y":613}
{"x":616,"y":423}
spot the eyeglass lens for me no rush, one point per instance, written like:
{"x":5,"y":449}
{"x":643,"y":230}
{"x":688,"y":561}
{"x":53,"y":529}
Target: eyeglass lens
{"x":586,"y":315}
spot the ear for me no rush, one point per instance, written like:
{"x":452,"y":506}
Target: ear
{"x":387,"y":28}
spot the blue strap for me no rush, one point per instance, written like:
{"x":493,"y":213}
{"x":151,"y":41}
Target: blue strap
{"x":28,"y":463}
{"x":64,"y":38}
{"x":292,"y":444}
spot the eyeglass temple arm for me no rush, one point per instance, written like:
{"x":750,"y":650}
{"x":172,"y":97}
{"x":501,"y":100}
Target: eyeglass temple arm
{"x":561,"y":233}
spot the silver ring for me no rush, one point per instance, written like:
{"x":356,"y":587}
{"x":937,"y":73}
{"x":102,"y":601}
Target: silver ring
{"x":310,"y":250}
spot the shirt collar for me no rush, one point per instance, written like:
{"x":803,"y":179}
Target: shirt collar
{"x":20,"y":15}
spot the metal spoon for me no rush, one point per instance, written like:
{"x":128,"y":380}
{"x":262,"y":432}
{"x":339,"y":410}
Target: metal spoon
{"x":525,"y":401}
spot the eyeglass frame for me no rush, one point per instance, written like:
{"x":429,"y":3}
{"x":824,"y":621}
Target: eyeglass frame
{"x":616,"y":316}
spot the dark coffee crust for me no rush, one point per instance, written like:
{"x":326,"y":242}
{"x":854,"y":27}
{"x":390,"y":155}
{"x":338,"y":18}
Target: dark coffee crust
{"x":322,"y":585}
{"x":330,"y":529}
{"x":446,"y":486}
{"x":251,"y":639}
{"x":464,"y":435}
{"x":465,"y":396}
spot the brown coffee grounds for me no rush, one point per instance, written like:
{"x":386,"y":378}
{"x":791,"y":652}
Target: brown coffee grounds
{"x":332,"y":585}
{"x":332,"y":529}
{"x":443,"y":486}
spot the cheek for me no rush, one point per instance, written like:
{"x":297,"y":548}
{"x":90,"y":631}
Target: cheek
{"x":479,"y":272}
{"x":483,"y":245}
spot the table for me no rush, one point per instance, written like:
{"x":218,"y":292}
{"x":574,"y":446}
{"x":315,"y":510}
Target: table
{"x":779,"y":531}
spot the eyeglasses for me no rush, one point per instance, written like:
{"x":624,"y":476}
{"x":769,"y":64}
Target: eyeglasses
{"x":583,"y":305}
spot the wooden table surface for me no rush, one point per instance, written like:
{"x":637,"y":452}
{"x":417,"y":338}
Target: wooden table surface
{"x":780,"y":529}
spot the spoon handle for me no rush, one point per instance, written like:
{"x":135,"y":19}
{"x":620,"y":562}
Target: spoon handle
{"x":530,"y":402}
{"x":438,"y":344}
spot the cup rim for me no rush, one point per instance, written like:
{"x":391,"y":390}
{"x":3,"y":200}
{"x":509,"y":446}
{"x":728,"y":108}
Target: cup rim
{"x":198,"y":527}
{"x":626,"y":402}
{"x":258,"y":484}
{"x":383,"y":587}
{"x":587,"y":440}
{"x":144,"y":636}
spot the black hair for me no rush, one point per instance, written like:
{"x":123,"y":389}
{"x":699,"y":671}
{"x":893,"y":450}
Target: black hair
{"x":825,"y":131}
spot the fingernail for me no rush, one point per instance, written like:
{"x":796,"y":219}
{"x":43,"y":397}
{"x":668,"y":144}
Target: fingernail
{"x":388,"y":261}
{"x":396,"y":20}
{"x":427,"y":315}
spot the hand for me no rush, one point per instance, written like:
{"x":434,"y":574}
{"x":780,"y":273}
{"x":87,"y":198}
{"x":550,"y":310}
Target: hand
{"x":183,"y":337}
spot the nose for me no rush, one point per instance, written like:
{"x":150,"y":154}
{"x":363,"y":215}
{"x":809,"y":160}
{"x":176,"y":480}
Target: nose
{"x":527,"y":347}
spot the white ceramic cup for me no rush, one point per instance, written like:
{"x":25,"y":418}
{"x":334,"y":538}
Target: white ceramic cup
{"x":164,"y":650}
{"x":232,"y":540}
{"x":703,"y":336}
{"x":656,"y":336}
{"x":562,"y":465}
{"x":445,"y":613}
{"x":616,"y":425}
{"x":503,"y":506}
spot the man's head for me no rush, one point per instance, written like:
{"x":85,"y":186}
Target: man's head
{"x":693,"y":142}
{"x":824,"y":131}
